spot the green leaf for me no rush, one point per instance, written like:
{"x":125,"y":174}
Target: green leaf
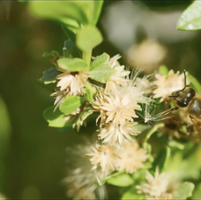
{"x":132,"y":194}
{"x":71,"y":104}
{"x":61,"y":11}
{"x":197,"y":192}
{"x":72,"y":64}
{"x":175,"y":144}
{"x":194,"y":83}
{"x":68,"y":47}
{"x":100,"y":61}
{"x":184,"y":190}
{"x":90,"y":91}
{"x":191,"y":17}
{"x":46,"y":54}
{"x":70,"y":34}
{"x":88,"y":110}
{"x":5,"y":130}
{"x":88,"y":37}
{"x":162,"y":158}
{"x":102,"y":74}
{"x":121,"y":180}
{"x":72,"y":13}
{"x":97,"y":10}
{"x":49,"y":76}
{"x":56,"y":118}
{"x":163,"y":69}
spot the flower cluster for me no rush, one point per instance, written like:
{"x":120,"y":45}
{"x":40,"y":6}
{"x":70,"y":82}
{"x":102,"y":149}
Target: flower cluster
{"x":117,"y":100}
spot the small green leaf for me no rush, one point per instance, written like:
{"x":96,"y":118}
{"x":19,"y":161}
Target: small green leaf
{"x":56,"y":118}
{"x":132,"y":194}
{"x":121,"y":180}
{"x":191,"y":17}
{"x":97,"y":10}
{"x":90,"y":91}
{"x":88,"y":37}
{"x":68,"y":47}
{"x":46,"y":54}
{"x":70,"y":34}
{"x":102,"y":74}
{"x":88,"y":110}
{"x":72,"y":64}
{"x":162,"y":158}
{"x":175,"y":144}
{"x":71,"y":104}
{"x":194,"y":83}
{"x":49,"y":76}
{"x":197,"y":192}
{"x":67,"y":12}
{"x":184,"y":190}
{"x":100,"y":61}
{"x":163,"y":69}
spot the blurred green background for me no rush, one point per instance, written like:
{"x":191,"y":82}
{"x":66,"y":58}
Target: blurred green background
{"x":33,"y":157}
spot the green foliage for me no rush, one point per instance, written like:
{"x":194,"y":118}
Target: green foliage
{"x":88,"y":37}
{"x":163,"y":69}
{"x":131,"y":193}
{"x":197,"y":192}
{"x":161,"y":159}
{"x":184,"y":190}
{"x":68,"y":47}
{"x":100,"y":61}
{"x":5,"y":129}
{"x":194,"y":83}
{"x":49,"y":76}
{"x":72,"y":64}
{"x":90,"y":91}
{"x":191,"y":17}
{"x":71,"y":104}
{"x":121,"y":179}
{"x":88,"y":110}
{"x":55,"y":118}
{"x":102,"y":74}
{"x":70,"y":13}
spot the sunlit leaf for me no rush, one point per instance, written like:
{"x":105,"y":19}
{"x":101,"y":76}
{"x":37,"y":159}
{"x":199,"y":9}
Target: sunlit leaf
{"x":71,"y":104}
{"x":72,"y":64}
{"x":102,"y":74}
{"x":49,"y":76}
{"x":162,"y":158}
{"x":88,"y":37}
{"x":100,"y":61}
{"x":184,"y":190}
{"x":5,"y":129}
{"x":121,"y":180}
{"x":56,"y":118}
{"x":90,"y":91}
{"x":163,"y":69}
{"x":197,"y":192}
{"x":132,"y":194}
{"x":194,"y":83}
{"x":191,"y":17}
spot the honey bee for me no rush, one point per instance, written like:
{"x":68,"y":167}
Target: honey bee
{"x":188,"y":103}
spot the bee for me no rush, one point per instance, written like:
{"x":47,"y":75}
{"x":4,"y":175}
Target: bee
{"x":188,"y":102}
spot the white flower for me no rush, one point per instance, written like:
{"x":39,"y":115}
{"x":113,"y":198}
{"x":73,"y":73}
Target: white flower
{"x":69,"y":84}
{"x":116,"y":109}
{"x":119,"y":76}
{"x":82,"y":181}
{"x":156,"y":186}
{"x":131,"y":157}
{"x":118,"y":134}
{"x":168,"y":84}
{"x":105,"y":156}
